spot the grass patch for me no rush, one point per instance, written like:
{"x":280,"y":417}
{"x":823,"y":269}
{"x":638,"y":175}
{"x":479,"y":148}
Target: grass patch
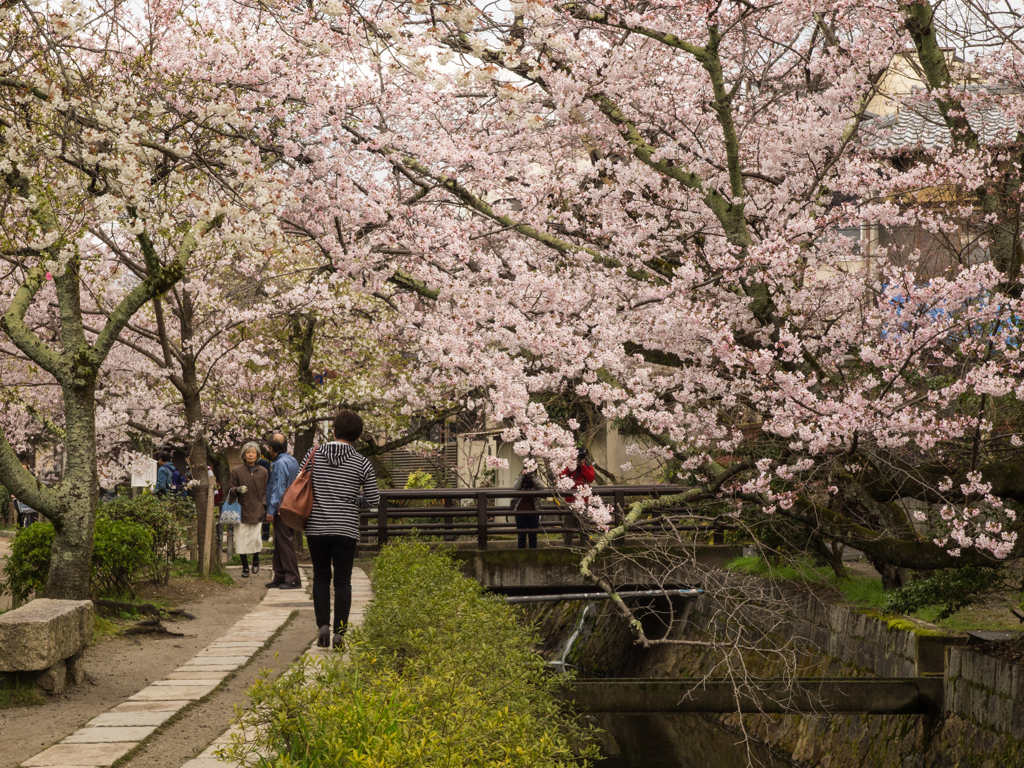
{"x":182,"y":568}
{"x":864,"y":592}
{"x":15,"y":692}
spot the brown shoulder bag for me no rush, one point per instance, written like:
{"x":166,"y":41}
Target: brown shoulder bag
{"x":297,"y":502}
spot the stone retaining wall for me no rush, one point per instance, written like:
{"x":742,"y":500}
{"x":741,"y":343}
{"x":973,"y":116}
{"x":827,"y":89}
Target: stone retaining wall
{"x":987,"y":691}
{"x":981,"y":729}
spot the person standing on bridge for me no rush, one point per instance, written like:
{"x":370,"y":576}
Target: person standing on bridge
{"x":340,"y":476}
{"x":282,"y":472}
{"x":525,"y":509}
{"x":583,"y":475}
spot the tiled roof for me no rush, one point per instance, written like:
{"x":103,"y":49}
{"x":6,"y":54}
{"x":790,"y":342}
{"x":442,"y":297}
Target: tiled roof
{"x":921,"y":127}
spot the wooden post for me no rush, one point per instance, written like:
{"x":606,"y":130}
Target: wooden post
{"x":449,"y":520}
{"x":382,"y":521}
{"x":229,"y":531}
{"x":481,"y":520}
{"x":718,"y":537}
{"x":193,"y":544}
{"x":208,"y":538}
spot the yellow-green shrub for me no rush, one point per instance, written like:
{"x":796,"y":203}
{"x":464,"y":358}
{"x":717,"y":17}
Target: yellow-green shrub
{"x":439,"y":675}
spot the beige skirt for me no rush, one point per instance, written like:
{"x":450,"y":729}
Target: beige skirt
{"x":248,"y":538}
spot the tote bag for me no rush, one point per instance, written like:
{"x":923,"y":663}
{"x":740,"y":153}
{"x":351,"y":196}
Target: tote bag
{"x":231,"y":511}
{"x":297,"y":502}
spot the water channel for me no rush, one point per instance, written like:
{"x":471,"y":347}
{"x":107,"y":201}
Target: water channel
{"x":667,"y":741}
{"x":677,"y":741}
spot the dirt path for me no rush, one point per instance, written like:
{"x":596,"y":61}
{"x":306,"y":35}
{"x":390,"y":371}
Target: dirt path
{"x":120,"y":667}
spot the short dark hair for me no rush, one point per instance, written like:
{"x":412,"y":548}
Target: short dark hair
{"x":348,"y":425}
{"x":278,"y":443}
{"x":163,"y":456}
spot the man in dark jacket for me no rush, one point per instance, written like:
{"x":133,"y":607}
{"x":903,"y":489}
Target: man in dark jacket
{"x":283,"y":471}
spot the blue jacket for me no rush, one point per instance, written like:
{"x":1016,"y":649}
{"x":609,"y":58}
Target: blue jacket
{"x":164,"y":476}
{"x":282,"y":473}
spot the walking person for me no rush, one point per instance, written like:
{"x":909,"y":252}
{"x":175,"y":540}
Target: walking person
{"x":248,"y":483}
{"x":164,"y":474}
{"x":283,"y":470}
{"x":26,"y":515}
{"x":340,"y":475}
{"x":527,"y":481}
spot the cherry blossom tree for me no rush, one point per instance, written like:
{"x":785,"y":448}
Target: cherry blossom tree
{"x":642,"y":204}
{"x":88,"y":143}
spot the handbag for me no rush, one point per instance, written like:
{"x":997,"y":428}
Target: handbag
{"x":297,"y":502}
{"x":231,"y":511}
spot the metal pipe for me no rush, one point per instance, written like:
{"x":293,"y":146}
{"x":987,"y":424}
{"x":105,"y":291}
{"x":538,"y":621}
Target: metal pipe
{"x":604,"y":595}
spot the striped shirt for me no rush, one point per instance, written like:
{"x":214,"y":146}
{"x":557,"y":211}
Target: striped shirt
{"x":340,"y":474}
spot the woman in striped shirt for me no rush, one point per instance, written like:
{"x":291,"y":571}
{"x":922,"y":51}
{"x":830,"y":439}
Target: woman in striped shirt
{"x":340,"y":476}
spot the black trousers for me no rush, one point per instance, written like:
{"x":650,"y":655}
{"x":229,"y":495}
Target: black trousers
{"x":528,"y":521}
{"x":339,"y":553}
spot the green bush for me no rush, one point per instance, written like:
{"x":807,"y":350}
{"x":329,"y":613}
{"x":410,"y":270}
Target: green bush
{"x":951,"y":589}
{"x":28,"y":564}
{"x":165,"y":517}
{"x":121,"y":552}
{"x":439,"y":675}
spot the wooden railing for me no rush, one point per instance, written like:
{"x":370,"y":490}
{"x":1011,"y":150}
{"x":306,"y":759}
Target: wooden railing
{"x":461,"y":512}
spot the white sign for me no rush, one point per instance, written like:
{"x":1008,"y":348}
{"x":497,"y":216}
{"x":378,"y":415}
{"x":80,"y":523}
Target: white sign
{"x":144,"y":473}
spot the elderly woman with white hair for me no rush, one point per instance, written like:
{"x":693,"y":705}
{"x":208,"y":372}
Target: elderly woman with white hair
{"x":248,"y":483}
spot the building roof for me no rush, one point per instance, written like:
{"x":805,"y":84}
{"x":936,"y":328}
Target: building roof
{"x":919,"y":126}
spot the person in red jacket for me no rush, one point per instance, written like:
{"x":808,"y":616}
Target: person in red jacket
{"x":583,"y":475}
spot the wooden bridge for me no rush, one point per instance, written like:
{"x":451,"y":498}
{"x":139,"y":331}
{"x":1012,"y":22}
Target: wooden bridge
{"x":483,"y":513}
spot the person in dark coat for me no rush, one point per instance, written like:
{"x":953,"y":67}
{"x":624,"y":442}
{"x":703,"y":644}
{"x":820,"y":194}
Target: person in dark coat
{"x":525,"y":509}
{"x":248,"y":483}
{"x":282,"y":472}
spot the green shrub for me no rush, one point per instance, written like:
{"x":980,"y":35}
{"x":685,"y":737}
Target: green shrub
{"x":439,"y":675}
{"x":28,"y":564}
{"x":951,"y":589}
{"x":121,"y":552}
{"x":165,"y":517}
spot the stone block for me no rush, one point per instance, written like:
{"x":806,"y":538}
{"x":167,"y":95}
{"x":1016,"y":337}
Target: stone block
{"x":110,"y":734}
{"x":150,"y":706}
{"x":66,"y":755}
{"x":76,"y":668}
{"x":129,"y":719}
{"x":54,"y":678}
{"x":37,"y":635}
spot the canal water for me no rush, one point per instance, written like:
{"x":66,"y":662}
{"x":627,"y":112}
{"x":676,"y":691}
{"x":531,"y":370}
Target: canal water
{"x":677,"y":741}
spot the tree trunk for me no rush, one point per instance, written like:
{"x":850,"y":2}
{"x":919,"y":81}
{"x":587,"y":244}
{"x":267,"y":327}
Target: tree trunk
{"x":78,"y":494}
{"x":197,"y":460}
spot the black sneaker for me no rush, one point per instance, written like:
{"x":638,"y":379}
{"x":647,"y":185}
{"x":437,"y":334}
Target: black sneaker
{"x":245,"y":573}
{"x":290,"y":585}
{"x":273,"y":584}
{"x":255,"y":568}
{"x":338,"y":642}
{"x":323,"y":639}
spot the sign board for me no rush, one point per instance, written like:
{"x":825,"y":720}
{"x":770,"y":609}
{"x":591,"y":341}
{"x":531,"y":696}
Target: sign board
{"x":144,"y":473}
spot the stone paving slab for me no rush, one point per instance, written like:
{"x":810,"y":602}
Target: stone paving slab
{"x":174,"y":692}
{"x":109,"y":734}
{"x":208,"y":668}
{"x":200,"y":673}
{"x":149,"y":706}
{"x":201,"y":660}
{"x":65,"y":755}
{"x":126,"y":719}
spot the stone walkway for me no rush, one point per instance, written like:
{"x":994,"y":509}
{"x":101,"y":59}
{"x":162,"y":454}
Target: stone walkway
{"x":110,"y":736}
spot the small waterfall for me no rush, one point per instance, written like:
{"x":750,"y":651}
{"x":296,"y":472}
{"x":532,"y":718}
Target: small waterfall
{"x":563,"y":653}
